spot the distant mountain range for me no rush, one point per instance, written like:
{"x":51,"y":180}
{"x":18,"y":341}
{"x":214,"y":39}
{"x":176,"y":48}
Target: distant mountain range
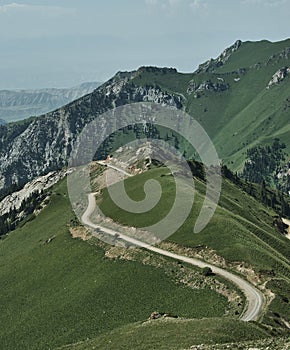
{"x":20,"y":104}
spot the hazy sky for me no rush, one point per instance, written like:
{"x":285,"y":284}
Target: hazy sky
{"x":61,"y":43}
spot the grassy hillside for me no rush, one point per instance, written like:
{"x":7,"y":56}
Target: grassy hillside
{"x":143,"y":336}
{"x":241,"y":230}
{"x":57,"y":290}
{"x":251,"y":53}
{"x":244,"y":114}
{"x":229,"y":96}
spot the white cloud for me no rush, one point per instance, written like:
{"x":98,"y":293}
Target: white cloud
{"x":48,"y":10}
{"x":12,"y":6}
{"x":165,"y":3}
{"x":172,"y":5}
{"x":268,"y":3}
{"x":196,"y":5}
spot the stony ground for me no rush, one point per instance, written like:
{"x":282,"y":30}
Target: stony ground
{"x":264,"y":344}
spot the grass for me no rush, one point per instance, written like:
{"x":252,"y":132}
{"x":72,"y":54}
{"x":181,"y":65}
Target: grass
{"x":172,"y":334}
{"x":251,"y":53}
{"x":279,"y":308}
{"x":66,"y":290}
{"x":245,"y":114}
{"x":240,"y":230}
{"x":171,"y":81}
{"x":134,"y":188}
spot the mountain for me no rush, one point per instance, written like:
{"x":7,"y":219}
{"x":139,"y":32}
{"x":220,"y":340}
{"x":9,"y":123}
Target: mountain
{"x":65,"y":288}
{"x":20,"y":104}
{"x":241,"y":99}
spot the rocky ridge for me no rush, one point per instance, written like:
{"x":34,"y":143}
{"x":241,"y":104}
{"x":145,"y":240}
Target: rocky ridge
{"x":208,"y":85}
{"x":284,"y":54}
{"x":44,"y":144}
{"x":39,"y":184}
{"x":212,"y":64}
{"x":40,"y":145}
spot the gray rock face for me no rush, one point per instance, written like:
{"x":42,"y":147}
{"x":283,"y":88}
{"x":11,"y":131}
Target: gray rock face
{"x":208,"y":85}
{"x":40,"y":183}
{"x":279,"y":76}
{"x":43,"y":144}
{"x":212,"y":64}
{"x":282,"y":55}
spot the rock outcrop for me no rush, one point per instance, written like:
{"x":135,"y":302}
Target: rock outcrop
{"x":279,"y":76}
{"x":41,"y":145}
{"x":207,"y":85}
{"x":282,"y":55}
{"x":39,"y":184}
{"x":212,"y":64}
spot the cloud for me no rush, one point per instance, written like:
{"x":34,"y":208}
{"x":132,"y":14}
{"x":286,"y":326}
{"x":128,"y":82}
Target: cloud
{"x":267,"y":3}
{"x":164,"y":3}
{"x":197,"y":5}
{"x":28,"y":8}
{"x":12,"y":6}
{"x":170,"y":6}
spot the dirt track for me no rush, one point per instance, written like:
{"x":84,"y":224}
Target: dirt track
{"x":255,"y":299}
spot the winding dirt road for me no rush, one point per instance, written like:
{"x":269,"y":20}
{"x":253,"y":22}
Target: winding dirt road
{"x":255,"y":299}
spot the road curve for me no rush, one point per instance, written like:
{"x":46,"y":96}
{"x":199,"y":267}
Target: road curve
{"x":108,"y":165}
{"x":255,"y":299}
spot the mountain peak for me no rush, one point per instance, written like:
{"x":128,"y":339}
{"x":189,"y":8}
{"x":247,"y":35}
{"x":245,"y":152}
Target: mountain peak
{"x":212,"y":64}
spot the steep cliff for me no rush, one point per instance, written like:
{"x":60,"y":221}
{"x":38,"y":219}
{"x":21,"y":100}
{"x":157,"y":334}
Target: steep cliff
{"x":43,"y":144}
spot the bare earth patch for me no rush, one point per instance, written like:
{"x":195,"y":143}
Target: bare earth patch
{"x":80,"y":232}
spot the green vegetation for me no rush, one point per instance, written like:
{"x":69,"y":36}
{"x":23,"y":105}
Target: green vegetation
{"x":57,"y":290}
{"x":207,"y":271}
{"x":173,"y":334}
{"x":241,"y":229}
{"x":279,"y":311}
{"x":10,"y":220}
{"x":232,"y":102}
{"x":244,"y":115}
{"x":264,"y":162}
{"x":168,"y":80}
{"x":251,"y":53}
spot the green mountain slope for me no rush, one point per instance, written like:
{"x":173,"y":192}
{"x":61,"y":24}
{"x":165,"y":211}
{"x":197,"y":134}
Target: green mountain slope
{"x":236,"y":108}
{"x":57,"y":290}
{"x":147,"y":335}
{"x":241,"y":98}
{"x":251,"y":53}
{"x":241,"y":231}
